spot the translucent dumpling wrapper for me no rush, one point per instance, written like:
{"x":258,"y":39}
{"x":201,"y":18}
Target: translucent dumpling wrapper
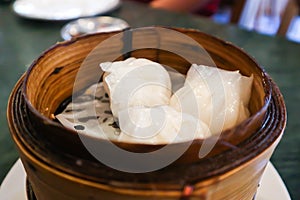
{"x":90,"y":114}
{"x":206,"y":101}
{"x":136,"y":82}
{"x":217,"y":97}
{"x":159,"y":125}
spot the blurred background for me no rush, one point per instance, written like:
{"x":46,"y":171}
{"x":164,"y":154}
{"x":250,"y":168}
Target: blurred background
{"x":269,"y":17}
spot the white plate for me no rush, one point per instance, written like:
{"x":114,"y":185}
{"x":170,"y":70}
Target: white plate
{"x":62,"y":10}
{"x":272,"y":187}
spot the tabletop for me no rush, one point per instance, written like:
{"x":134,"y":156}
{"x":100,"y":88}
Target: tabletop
{"x":21,"y":41}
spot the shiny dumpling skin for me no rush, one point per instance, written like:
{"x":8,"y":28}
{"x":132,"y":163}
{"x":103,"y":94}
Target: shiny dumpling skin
{"x":159,"y":125}
{"x":136,"y":82}
{"x":218,"y":97}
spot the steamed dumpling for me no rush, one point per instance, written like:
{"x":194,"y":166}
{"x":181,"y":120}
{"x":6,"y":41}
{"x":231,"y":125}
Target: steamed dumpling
{"x":217,"y":97}
{"x":159,"y":125}
{"x":136,"y":82}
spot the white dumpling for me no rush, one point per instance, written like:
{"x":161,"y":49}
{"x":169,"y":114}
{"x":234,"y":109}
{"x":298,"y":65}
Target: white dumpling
{"x":217,"y":97}
{"x":136,"y":82}
{"x":159,"y":125}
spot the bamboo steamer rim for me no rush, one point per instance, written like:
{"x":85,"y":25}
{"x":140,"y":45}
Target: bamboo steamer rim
{"x":48,"y":121}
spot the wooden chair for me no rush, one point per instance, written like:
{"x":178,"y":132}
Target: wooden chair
{"x":237,"y":10}
{"x":291,"y":10}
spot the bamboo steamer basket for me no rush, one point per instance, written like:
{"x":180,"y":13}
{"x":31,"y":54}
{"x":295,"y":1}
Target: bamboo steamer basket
{"x":59,"y":166}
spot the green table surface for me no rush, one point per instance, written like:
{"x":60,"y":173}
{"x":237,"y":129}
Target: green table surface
{"x":21,"y":41}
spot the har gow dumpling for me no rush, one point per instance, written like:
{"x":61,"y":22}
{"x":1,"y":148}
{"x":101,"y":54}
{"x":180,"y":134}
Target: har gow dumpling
{"x":136,"y":82}
{"x":220,"y":97}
